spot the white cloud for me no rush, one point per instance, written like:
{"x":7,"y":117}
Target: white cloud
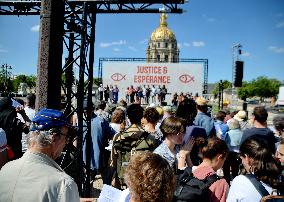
{"x":114,"y":43}
{"x":198,"y":43}
{"x":186,"y":44}
{"x":144,"y":41}
{"x":211,"y":19}
{"x":276,"y":49}
{"x":133,"y":48}
{"x":116,"y":49}
{"x":120,"y":42}
{"x":279,"y":14}
{"x":35,"y":28}
{"x":104,"y":45}
{"x":280,"y":24}
{"x":246,"y":54}
{"x":179,"y":45}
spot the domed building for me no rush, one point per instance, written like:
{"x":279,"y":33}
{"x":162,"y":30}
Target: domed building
{"x":162,"y":45}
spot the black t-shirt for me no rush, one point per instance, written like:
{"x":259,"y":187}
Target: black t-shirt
{"x":264,"y":133}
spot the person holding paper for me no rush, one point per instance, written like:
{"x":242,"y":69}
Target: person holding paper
{"x":170,"y":149}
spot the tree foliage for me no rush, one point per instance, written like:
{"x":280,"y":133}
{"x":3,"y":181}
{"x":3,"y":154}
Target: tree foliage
{"x":29,"y":80}
{"x":245,"y":91}
{"x":98,"y":81}
{"x":5,"y":79}
{"x":2,"y":83}
{"x":261,"y":87}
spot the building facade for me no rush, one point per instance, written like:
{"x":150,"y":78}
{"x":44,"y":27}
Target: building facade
{"x":162,"y":46}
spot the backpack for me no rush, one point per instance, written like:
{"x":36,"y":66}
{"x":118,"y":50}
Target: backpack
{"x":126,"y":144}
{"x":190,"y":188}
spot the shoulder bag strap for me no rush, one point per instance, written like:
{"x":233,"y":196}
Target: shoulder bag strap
{"x":142,"y":137}
{"x":257,"y":184}
{"x":208,"y":181}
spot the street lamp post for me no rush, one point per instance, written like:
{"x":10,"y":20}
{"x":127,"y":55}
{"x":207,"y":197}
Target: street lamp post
{"x":5,"y":69}
{"x":220,"y":95}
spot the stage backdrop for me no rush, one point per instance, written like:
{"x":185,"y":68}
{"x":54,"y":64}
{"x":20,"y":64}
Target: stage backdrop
{"x":177,"y":77}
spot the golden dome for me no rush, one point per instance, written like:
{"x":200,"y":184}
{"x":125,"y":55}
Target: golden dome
{"x":163,"y":32}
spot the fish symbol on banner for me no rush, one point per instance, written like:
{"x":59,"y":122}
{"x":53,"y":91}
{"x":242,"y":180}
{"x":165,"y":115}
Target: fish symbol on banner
{"x":118,"y":77}
{"x":185,"y":78}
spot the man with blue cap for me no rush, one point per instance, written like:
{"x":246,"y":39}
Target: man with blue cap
{"x":36,"y":176}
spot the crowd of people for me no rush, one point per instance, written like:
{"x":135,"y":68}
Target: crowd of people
{"x":145,"y":150}
{"x":140,"y":94}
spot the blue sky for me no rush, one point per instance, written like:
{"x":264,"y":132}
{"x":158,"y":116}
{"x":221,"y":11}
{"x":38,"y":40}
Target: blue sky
{"x":207,"y":29}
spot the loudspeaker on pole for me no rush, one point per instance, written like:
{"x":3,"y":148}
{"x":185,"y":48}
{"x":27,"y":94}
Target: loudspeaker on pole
{"x":239,"y":73}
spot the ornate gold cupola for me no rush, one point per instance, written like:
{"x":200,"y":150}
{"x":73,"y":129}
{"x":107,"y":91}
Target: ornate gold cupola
{"x":162,"y":45}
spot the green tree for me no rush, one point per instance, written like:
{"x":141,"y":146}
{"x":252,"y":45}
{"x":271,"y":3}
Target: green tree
{"x":98,"y":81}
{"x":7,"y":87}
{"x":226,"y":84}
{"x":261,"y":87}
{"x":2,"y":83}
{"x":5,"y":79}
{"x":264,"y":87}
{"x":245,"y":91}
{"x":19,"y":79}
{"x":29,"y":80}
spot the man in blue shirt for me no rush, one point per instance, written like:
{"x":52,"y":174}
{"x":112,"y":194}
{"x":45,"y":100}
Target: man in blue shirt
{"x":202,"y":119}
{"x":101,"y":133}
{"x":220,"y":127}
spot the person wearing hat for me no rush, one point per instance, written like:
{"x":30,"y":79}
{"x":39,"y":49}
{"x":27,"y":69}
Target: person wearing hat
{"x":241,"y":117}
{"x":36,"y":176}
{"x":202,"y":119}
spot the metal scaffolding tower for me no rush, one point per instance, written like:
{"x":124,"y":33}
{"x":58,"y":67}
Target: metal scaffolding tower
{"x":69,"y":25}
